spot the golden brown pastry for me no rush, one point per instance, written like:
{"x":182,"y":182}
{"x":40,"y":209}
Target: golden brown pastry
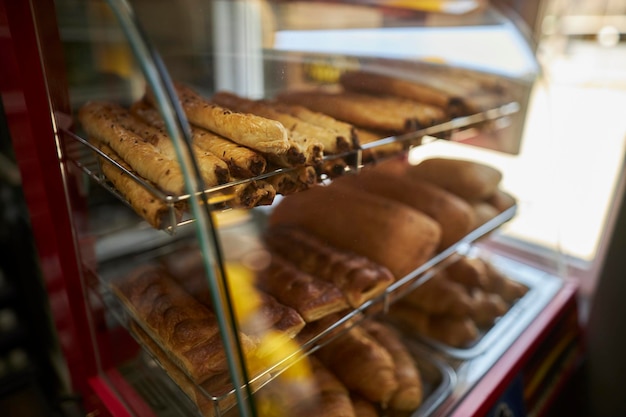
{"x":358,"y":278}
{"x":367,"y":111}
{"x":487,"y":307}
{"x":468,"y":271}
{"x":457,"y":332}
{"x":186,"y":329}
{"x":345,"y":136}
{"x":251,"y":194}
{"x":200,"y":395}
{"x":305,"y":138}
{"x":154,"y":210}
{"x":387,"y":232}
{"x":213,"y":170}
{"x":362,"y":364}
{"x":377,"y":152}
{"x":470,"y":180}
{"x":441,"y":296}
{"x":454,"y":215}
{"x":409,"y":395}
{"x":311,"y":297}
{"x":373,"y":83}
{"x":100,"y":123}
{"x":363,"y":407}
{"x":500,"y":284}
{"x":259,"y":133}
{"x":242,"y":162}
{"x":293,"y":180}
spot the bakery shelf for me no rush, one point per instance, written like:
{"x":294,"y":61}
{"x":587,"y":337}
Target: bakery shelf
{"x":123,"y":316}
{"x":85,"y":156}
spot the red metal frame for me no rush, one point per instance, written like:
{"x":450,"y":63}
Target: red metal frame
{"x":491,"y":387}
{"x":33,"y":88}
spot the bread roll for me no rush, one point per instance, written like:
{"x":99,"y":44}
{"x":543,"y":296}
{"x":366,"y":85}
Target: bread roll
{"x":468,"y":179}
{"x":387,"y":232}
{"x":454,"y":215}
{"x":487,"y":307}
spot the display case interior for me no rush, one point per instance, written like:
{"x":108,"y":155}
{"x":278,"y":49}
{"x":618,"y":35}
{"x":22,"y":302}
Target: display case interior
{"x":250,"y":171}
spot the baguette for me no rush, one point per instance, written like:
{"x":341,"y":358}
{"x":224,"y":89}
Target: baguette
{"x":99,"y":121}
{"x":470,"y":180}
{"x":259,"y":133}
{"x":454,"y":215}
{"x":387,"y":232}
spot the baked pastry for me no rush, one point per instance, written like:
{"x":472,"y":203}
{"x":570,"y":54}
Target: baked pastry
{"x":375,"y":83}
{"x":441,"y":296}
{"x":487,"y":307}
{"x":242,"y":161}
{"x":259,"y":133}
{"x":311,"y":297}
{"x":409,"y":395}
{"x":100,"y":122}
{"x":387,"y":232}
{"x":362,"y":364}
{"x":213,"y":171}
{"x":457,"y":332}
{"x":469,"y":271}
{"x":186,"y":329}
{"x":201,"y":395}
{"x":154,"y":210}
{"x":386,"y":113}
{"x":305,"y":138}
{"x":344,"y":137}
{"x":358,"y":278}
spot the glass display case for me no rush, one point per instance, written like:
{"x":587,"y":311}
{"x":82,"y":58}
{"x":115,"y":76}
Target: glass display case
{"x":233,"y":206}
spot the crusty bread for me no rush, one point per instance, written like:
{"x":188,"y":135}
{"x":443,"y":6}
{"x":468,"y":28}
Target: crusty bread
{"x":455,"y":216}
{"x":387,"y":232}
{"x":468,"y":179}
